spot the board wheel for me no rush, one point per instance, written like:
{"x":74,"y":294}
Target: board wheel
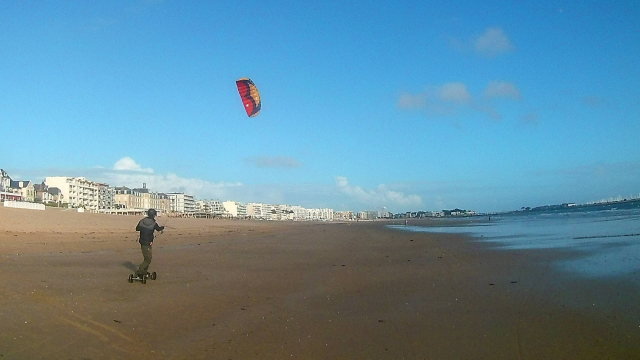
{"x":130,"y":278}
{"x":144,"y":280}
{"x":154,"y":275}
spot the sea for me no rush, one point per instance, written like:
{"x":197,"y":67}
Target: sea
{"x":606,"y":236}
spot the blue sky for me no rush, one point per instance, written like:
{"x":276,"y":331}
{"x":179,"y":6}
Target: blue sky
{"x":403,"y":105}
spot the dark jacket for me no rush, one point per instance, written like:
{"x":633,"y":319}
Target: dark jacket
{"x":146,"y":227}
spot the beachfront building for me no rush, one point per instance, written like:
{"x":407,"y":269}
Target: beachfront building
{"x":126,"y":198}
{"x":154,"y":200}
{"x":285,"y":212}
{"x":5,"y":181}
{"x":212,"y":207}
{"x":257,"y":211}
{"x":235,"y":209}
{"x":368,"y":215}
{"x":77,"y":192}
{"x":26,"y":189}
{"x":141,"y":199}
{"x":48,"y":194}
{"x":282,"y":212}
{"x":106,"y":197}
{"x":216,"y":207}
{"x":298,"y":213}
{"x":320,"y":214}
{"x":269,"y":211}
{"x":344,"y":216}
{"x":182,"y":204}
{"x":16,"y":190}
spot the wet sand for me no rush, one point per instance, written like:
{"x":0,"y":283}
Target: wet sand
{"x":271,"y":290}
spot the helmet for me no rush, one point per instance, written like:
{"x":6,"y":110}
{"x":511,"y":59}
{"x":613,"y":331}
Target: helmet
{"x":152,"y":213}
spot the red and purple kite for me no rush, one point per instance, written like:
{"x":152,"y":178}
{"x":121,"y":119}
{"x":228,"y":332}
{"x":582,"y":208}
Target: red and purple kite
{"x":250,"y":96}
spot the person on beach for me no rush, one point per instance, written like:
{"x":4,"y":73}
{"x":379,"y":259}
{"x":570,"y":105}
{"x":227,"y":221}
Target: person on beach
{"x":146,"y":227}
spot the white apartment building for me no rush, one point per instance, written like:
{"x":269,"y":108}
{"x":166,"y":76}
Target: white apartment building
{"x":213,"y":207}
{"x":77,"y":192}
{"x":257,"y":211}
{"x":320,"y":214}
{"x":106,"y":197}
{"x":287,"y":212}
{"x":235,"y":208}
{"x":204,"y":207}
{"x":299,"y":213}
{"x":344,"y":215}
{"x":368,"y":215}
{"x":5,"y":180}
{"x":182,"y":203}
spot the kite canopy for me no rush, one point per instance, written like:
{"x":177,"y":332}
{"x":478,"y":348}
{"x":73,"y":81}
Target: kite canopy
{"x":250,"y":96}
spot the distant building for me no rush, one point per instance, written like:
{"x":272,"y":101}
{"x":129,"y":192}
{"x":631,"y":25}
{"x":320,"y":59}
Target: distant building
{"x":77,"y":192}
{"x":344,"y":216}
{"x":6,"y":191}
{"x":258,"y":211}
{"x":235,"y":209}
{"x":25,"y":189}
{"x":106,"y":197}
{"x":320,"y":214}
{"x":181,"y":203}
{"x":298,"y":213}
{"x":141,"y":199}
{"x":126,"y":198}
{"x":48,"y":194}
{"x":368,"y":215}
{"x":212,"y":207}
{"x":5,"y":181}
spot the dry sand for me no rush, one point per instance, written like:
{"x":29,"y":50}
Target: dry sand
{"x":269,"y":290}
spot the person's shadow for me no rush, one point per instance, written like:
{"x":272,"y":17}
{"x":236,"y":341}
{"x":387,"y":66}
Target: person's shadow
{"x":129,"y":265}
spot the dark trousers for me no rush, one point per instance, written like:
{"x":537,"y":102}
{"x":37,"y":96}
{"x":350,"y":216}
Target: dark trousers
{"x":146,"y":253}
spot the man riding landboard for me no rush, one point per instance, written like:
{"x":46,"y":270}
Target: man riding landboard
{"x":146,"y":227}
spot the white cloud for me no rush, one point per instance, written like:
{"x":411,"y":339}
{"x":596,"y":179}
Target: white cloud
{"x":502,"y":89}
{"x":127,"y":163}
{"x":171,"y":182}
{"x":285,"y":162}
{"x":127,"y":172}
{"x":382,"y":196}
{"x":448,"y":99}
{"x":493,"y":42}
{"x":455,"y":92}
{"x":410,"y":101}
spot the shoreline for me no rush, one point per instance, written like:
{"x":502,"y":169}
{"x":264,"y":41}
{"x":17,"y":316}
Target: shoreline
{"x":254,"y":290}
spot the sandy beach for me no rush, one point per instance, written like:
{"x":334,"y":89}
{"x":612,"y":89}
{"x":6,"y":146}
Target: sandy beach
{"x":231,"y":289}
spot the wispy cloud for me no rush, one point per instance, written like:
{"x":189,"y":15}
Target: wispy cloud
{"x":410,"y":101}
{"x":127,"y":172}
{"x":282,"y":162}
{"x":502,"y":89}
{"x":127,"y":163}
{"x":451,"y":98}
{"x":379,"y":197}
{"x":493,"y":42}
{"x":455,"y":92}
